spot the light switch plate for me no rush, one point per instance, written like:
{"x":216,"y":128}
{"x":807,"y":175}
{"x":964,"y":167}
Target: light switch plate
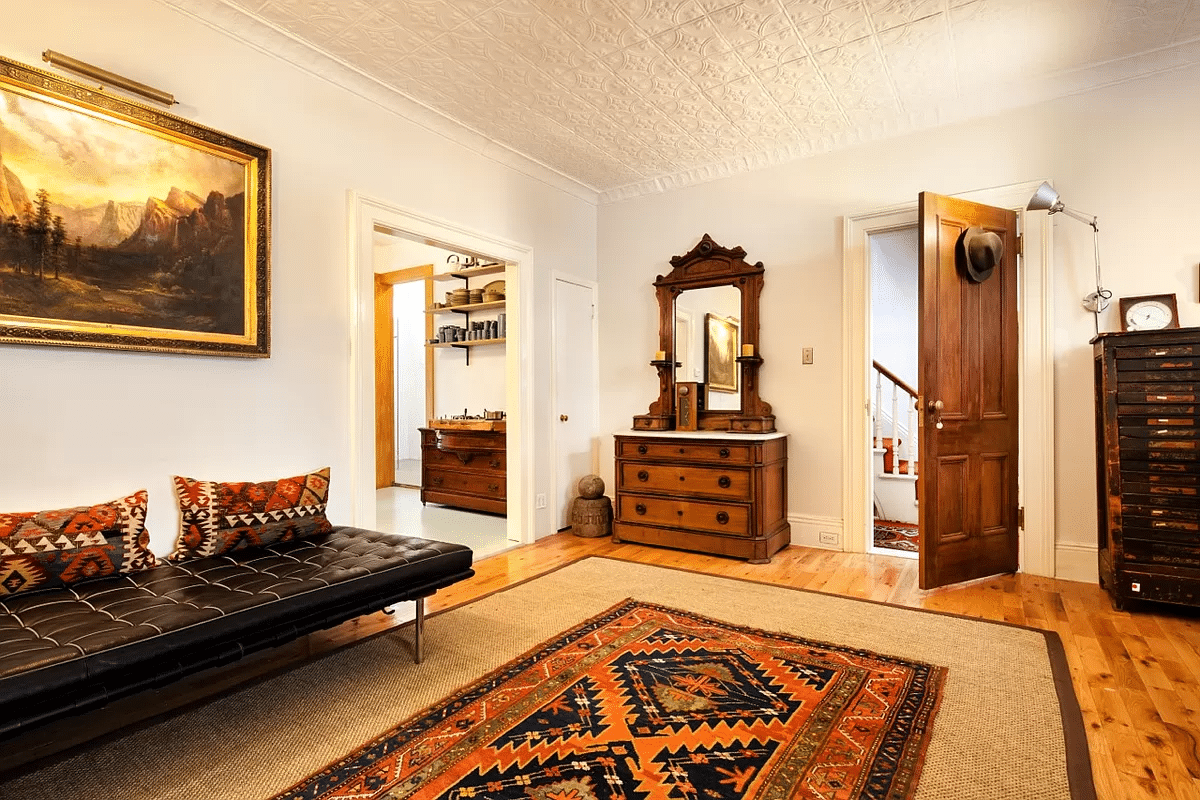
{"x":807,"y":355}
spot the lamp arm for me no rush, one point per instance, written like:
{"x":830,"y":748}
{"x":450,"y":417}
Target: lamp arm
{"x":1090,"y":220}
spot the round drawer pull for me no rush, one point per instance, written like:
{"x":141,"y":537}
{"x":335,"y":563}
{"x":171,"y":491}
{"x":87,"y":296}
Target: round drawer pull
{"x":642,"y":449}
{"x":722,"y":517}
{"x":494,"y":463}
{"x":640,"y":508}
{"x":724,"y":452}
{"x":682,"y":451}
{"x":493,"y":487}
{"x":724,"y":482}
{"x":437,"y":480}
{"x":643,"y":475}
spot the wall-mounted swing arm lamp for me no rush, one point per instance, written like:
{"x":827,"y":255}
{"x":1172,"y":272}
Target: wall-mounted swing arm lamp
{"x":1046,"y":199}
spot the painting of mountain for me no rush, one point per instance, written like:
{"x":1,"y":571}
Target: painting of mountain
{"x":111,"y":230}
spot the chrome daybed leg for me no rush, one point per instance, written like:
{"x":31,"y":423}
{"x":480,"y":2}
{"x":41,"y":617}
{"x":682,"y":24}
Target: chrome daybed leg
{"x":418,"y":626}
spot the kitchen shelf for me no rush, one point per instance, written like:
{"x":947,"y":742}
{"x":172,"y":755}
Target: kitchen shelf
{"x":470,"y":272}
{"x":467,"y":308}
{"x":470,"y":343}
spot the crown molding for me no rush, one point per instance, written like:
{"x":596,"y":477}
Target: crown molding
{"x":255,"y":32}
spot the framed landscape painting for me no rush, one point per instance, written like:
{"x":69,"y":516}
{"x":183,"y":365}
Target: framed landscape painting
{"x":720,"y":353}
{"x":124,"y":227}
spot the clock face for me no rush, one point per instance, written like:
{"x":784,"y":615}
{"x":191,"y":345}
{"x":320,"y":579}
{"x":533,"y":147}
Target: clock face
{"x":1148,"y":315}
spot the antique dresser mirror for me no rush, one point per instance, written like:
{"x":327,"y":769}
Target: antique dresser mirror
{"x":708,"y":333}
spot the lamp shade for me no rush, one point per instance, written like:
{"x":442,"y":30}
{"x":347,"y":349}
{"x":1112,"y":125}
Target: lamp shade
{"x":1045,"y":199}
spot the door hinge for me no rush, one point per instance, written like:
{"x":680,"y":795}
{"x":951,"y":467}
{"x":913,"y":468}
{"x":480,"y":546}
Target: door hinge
{"x":1021,"y":517}
{"x":1020,"y":245}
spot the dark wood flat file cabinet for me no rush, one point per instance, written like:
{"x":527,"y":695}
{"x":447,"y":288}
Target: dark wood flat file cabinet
{"x":713,"y":493}
{"x":1148,"y":464}
{"x":464,"y":469}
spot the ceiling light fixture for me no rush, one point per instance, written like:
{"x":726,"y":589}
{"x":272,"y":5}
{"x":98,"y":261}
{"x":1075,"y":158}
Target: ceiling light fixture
{"x":1047,"y":199}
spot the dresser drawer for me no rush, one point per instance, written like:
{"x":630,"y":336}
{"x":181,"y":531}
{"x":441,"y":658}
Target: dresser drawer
{"x":730,"y":519}
{"x":1162,"y":394}
{"x":447,"y":480}
{"x":481,"y":462}
{"x":678,"y":479}
{"x":1171,"y":351}
{"x":682,"y":449}
{"x":1143,"y":551}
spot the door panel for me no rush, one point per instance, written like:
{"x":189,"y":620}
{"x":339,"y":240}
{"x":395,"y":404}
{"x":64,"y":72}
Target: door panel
{"x":968,"y":345}
{"x":575,"y":392}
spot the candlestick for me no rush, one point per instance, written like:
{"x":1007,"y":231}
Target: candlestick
{"x":660,"y":355}
{"x":747,"y":349}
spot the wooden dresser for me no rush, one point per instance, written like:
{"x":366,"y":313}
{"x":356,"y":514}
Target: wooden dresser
{"x":711,"y":492}
{"x":1148,"y":464}
{"x":465,"y":469}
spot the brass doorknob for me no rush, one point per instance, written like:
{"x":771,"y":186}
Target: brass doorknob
{"x":562,"y":417}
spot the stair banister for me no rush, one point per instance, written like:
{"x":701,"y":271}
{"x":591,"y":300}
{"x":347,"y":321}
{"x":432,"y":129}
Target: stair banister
{"x":910,"y":448}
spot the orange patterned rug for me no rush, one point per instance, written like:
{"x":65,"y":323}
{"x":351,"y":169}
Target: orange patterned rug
{"x":645,"y":702}
{"x":897,"y":535}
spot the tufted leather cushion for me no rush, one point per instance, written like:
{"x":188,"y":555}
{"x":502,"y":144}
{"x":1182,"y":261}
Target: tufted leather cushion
{"x":82,"y":646}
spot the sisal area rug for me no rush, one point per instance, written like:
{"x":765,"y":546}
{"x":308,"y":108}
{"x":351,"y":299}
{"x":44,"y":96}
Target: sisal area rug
{"x":1007,"y":724}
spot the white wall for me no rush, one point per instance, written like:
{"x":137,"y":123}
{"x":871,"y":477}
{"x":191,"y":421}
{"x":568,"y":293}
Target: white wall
{"x":1127,"y":153}
{"x":81,"y":426}
{"x":894,"y":304}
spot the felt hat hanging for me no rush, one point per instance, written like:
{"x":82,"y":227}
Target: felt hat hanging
{"x":978,"y":252}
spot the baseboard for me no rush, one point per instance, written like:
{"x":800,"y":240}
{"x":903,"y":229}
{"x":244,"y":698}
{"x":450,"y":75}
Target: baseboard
{"x":1076,"y":561}
{"x":806,"y":531}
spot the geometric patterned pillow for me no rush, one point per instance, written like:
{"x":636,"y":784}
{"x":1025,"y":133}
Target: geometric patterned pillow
{"x":218,"y":518}
{"x":44,"y":549}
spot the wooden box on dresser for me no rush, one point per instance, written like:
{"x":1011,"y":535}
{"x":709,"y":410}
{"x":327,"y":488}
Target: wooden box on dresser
{"x":724,"y":494}
{"x":465,"y":469}
{"x":1148,"y":464}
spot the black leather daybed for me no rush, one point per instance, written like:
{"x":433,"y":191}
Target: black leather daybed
{"x":69,"y":649}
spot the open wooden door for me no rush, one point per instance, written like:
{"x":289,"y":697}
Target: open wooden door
{"x":969,"y":394}
{"x":385,"y":366}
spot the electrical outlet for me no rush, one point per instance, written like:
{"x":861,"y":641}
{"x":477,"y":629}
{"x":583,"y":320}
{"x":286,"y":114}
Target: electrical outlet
{"x":806,"y":355}
{"x":540,"y":501}
{"x":828,"y":537}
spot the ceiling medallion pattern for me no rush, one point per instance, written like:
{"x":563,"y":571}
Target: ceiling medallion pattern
{"x":633,"y":96}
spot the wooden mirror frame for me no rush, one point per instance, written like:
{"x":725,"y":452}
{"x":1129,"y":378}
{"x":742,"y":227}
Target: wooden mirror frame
{"x":709,"y":264}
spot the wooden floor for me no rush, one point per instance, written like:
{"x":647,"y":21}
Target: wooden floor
{"x":1136,"y":673}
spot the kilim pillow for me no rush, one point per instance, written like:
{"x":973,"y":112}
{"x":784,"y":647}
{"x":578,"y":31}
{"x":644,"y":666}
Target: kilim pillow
{"x":45,"y":549}
{"x":218,"y":518}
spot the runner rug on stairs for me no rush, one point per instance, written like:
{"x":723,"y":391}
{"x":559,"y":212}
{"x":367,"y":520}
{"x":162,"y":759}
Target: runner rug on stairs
{"x":697,"y":687}
{"x":897,"y":535}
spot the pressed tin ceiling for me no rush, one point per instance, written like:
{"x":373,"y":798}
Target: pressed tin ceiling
{"x":625,"y":97}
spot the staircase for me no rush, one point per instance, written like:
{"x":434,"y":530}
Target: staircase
{"x":895,"y":456}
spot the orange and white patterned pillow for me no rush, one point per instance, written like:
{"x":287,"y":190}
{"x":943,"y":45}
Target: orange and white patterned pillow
{"x":47,"y":549}
{"x":218,"y":518}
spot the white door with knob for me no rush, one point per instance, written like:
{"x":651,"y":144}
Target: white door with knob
{"x":576,"y":390}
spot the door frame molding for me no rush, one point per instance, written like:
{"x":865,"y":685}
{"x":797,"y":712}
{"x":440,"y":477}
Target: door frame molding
{"x":364,"y":213}
{"x":555,"y":277}
{"x":1036,"y":364}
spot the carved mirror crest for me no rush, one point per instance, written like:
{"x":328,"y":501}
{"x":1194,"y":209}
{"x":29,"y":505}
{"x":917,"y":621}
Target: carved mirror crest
{"x":708,"y":332}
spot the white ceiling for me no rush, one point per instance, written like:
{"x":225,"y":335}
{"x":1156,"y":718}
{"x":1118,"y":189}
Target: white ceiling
{"x":633,"y":96}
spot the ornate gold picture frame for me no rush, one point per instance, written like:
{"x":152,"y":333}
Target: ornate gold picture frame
{"x":720,"y":353}
{"x":124,"y":227}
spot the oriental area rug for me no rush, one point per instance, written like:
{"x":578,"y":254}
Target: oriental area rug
{"x":897,"y":535}
{"x":617,"y":655}
{"x":646,"y":701}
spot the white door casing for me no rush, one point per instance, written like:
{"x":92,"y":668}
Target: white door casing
{"x":363,"y":215}
{"x":576,"y":389}
{"x":1036,"y":303}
